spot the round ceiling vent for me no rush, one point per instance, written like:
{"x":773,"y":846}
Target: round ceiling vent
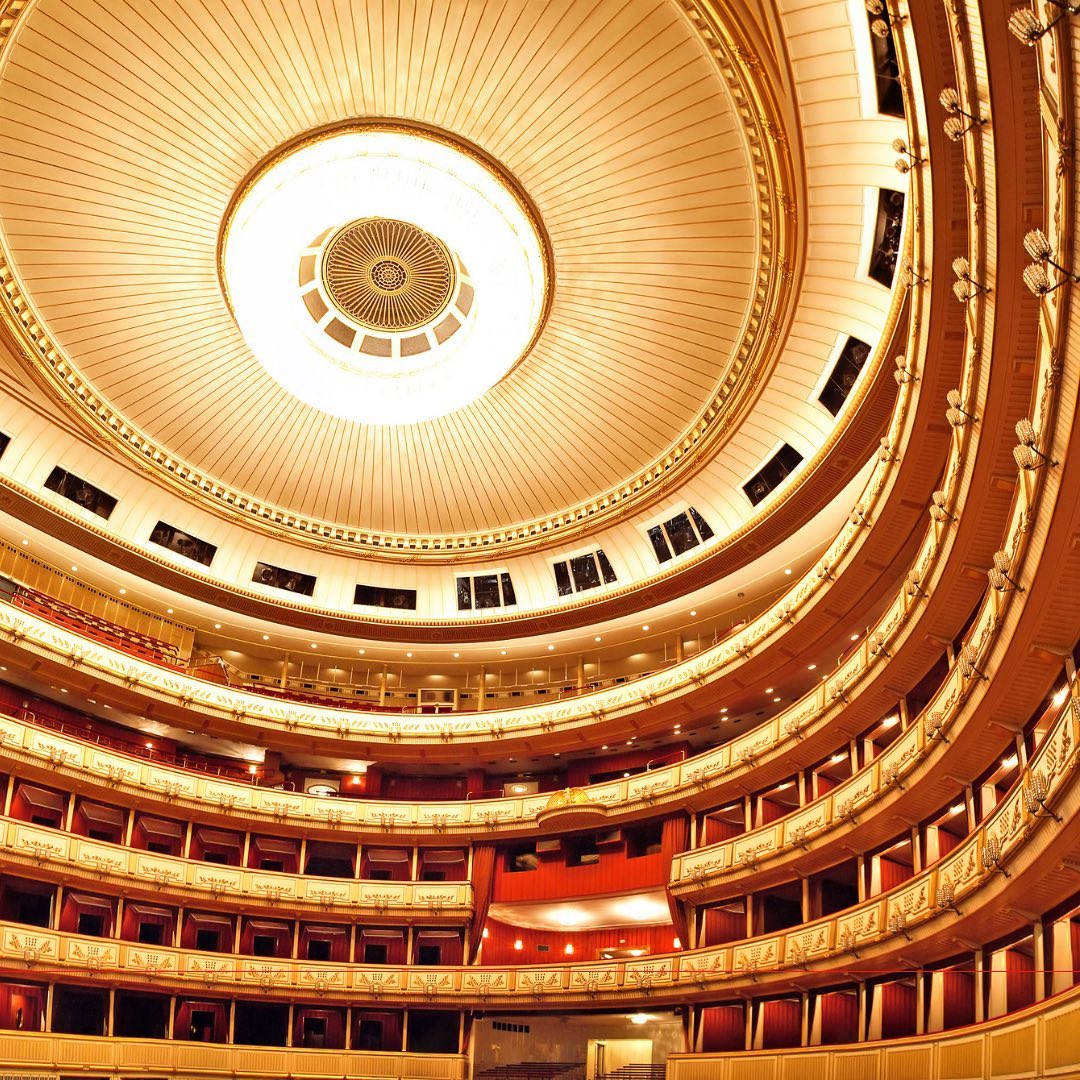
{"x":388,"y":275}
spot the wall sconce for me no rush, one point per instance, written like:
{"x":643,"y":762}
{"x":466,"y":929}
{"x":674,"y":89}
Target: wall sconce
{"x":1027,"y":454}
{"x":946,"y":897}
{"x":968,"y":668}
{"x":965,"y":287}
{"x":999,"y":575}
{"x":991,"y":857}
{"x":1035,"y":797}
{"x":954,"y":127}
{"x":883,"y":24}
{"x":909,"y":160}
{"x":877,"y":645}
{"x":914,"y":586}
{"x":933,"y":725}
{"x":938,"y":510}
{"x":825,"y":571}
{"x":956,"y":414}
{"x":1025,"y":26}
{"x":858,"y":516}
{"x":911,"y":278}
{"x":898,"y":924}
{"x":903,"y":374}
{"x":891,"y":776}
{"x":885,"y":452}
{"x":1037,"y":245}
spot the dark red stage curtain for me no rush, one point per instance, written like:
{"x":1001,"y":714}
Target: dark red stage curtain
{"x":674,"y":838}
{"x":1019,"y":980}
{"x":723,"y":1028}
{"x":483,"y":882}
{"x":899,"y":1006}
{"x":781,"y":1024}
{"x":839,"y":1017}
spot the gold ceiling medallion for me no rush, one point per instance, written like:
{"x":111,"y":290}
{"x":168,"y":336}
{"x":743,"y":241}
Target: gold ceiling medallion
{"x":388,"y":275}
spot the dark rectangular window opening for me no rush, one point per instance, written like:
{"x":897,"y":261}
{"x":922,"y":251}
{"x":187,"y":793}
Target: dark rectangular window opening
{"x":890,"y":97}
{"x":182,"y":543}
{"x":91,"y":924}
{"x":428,"y":955}
{"x":375,"y":954}
{"x":378,"y":596}
{"x":207,"y":940}
{"x":562,"y":579}
{"x":660,"y":544}
{"x":844,"y":374}
{"x":263,"y":945}
{"x":151,"y":933}
{"x":318,"y":950}
{"x":681,"y":534}
{"x":890,"y":221}
{"x":775,"y":471}
{"x":79,"y":491}
{"x":287,"y":580}
{"x":606,"y":569}
{"x":586,"y":574}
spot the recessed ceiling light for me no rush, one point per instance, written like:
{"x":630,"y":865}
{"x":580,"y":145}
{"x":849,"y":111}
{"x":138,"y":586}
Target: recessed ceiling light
{"x":811,"y":667}
{"x":168,"y":611}
{"x":693,"y":614}
{"x":408,"y":654}
{"x":217,"y":626}
{"x":266,"y":637}
{"x":645,"y":627}
{"x":626,"y":775}
{"x":26,"y":543}
{"x":788,"y":571}
{"x":74,"y":569}
{"x":551,"y":648}
{"x":604,"y":747}
{"x":768,"y":689}
{"x":361,"y":651}
{"x":855,"y":637}
{"x":63,"y":689}
{"x":723,"y":710}
{"x":776,"y":699}
{"x":123,"y":592}
{"x":502,"y":652}
{"x":456,"y":655}
{"x":313,"y":645}
{"x":598,"y":638}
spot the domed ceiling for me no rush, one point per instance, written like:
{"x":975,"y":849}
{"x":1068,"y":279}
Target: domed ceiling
{"x":129,"y":129}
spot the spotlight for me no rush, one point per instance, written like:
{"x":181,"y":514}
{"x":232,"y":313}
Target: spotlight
{"x":1024,"y":25}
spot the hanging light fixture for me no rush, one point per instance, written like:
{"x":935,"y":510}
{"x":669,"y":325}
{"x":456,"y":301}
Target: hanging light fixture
{"x":954,"y":126}
{"x":1037,"y":245}
{"x":1024,"y":24}
{"x":1027,"y":454}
